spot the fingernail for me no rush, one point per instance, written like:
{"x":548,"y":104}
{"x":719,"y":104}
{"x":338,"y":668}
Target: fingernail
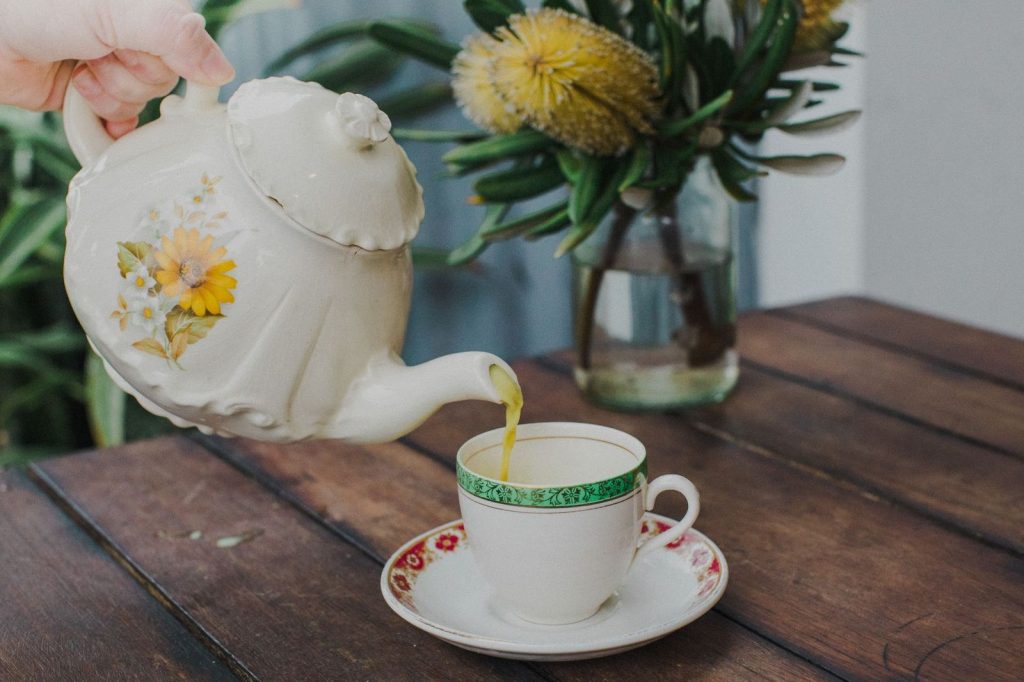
{"x":217,"y":68}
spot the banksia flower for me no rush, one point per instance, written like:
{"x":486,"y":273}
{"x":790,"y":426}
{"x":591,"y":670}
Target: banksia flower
{"x":562,"y":74}
{"x":817,"y":28}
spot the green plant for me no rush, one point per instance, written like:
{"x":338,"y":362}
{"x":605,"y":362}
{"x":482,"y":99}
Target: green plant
{"x":720,"y":68}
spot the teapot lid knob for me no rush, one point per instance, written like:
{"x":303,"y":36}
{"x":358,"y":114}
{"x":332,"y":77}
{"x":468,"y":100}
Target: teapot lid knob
{"x":361,"y":119}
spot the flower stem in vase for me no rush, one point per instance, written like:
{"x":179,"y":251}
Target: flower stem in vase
{"x":624,"y":216}
{"x":705,"y":340}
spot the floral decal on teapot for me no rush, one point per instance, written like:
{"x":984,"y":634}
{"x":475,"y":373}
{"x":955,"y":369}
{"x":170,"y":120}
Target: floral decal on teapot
{"x":176,"y":285}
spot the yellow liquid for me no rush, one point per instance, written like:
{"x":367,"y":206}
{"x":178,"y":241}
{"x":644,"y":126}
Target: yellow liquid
{"x":512,"y":397}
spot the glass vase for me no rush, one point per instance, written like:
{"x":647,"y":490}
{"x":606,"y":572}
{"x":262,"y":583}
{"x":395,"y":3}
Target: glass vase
{"x":655,"y":299}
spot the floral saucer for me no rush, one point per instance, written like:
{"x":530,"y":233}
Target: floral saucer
{"x":434,"y":584}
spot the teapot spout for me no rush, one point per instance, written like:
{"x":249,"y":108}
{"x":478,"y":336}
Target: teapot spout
{"x":390,"y":399}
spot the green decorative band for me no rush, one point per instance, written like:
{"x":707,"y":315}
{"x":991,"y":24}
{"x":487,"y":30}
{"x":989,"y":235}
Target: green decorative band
{"x":565,"y":496}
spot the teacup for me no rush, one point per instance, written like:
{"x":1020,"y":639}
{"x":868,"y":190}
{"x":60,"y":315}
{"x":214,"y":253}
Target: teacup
{"x":558,"y":538}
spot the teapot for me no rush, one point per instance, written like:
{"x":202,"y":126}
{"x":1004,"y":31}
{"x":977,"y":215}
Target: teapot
{"x":245,"y":268}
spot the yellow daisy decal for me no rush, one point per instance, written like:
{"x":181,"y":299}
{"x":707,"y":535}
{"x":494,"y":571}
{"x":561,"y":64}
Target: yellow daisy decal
{"x":194,"y":272}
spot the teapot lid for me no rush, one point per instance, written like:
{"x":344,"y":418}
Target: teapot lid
{"x":328,"y":160}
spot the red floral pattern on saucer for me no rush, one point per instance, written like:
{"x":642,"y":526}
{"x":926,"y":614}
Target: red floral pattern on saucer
{"x":701,"y":557}
{"x":412,"y":561}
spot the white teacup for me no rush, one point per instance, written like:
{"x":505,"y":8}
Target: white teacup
{"x":559,"y":537}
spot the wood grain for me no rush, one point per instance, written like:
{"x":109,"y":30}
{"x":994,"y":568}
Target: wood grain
{"x":292,"y":601}
{"x":994,"y":356}
{"x":955,"y":403}
{"x":816,"y":564}
{"x":67,"y":611}
{"x":972,"y":488}
{"x":385,"y":494}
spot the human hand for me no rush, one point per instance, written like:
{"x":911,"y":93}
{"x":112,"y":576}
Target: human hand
{"x":118,"y":53}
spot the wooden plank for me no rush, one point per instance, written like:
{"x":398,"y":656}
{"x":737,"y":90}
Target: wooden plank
{"x":413,"y":493}
{"x":986,"y":353}
{"x":849,"y":581}
{"x":957,"y":404}
{"x":67,"y":611}
{"x":290,"y":601}
{"x":972,"y":488}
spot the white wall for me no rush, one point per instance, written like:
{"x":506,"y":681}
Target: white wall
{"x":944,"y":212}
{"x":929,"y":211}
{"x":810,"y":232}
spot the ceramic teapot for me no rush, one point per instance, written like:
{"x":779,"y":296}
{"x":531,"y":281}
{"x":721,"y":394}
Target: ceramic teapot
{"x":245,"y":268}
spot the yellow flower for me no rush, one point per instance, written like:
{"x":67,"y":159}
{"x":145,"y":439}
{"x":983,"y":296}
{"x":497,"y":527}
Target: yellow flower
{"x":562,"y":74}
{"x":190,"y":270}
{"x":816,"y":28}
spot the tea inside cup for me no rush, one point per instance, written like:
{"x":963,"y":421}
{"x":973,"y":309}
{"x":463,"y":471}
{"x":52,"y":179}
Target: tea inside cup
{"x":554,"y":454}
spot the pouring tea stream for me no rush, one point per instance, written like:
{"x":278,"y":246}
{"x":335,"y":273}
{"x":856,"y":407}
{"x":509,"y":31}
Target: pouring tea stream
{"x":245,"y":268}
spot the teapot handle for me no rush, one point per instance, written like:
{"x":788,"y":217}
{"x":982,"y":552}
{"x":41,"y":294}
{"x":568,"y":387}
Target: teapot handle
{"x":86,"y":133}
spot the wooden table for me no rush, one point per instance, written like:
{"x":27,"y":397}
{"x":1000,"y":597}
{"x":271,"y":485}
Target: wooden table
{"x":865,"y":481}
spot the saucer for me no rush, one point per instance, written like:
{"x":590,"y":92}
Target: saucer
{"x":434,"y":584}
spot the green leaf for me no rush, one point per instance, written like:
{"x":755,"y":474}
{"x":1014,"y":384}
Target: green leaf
{"x":678,"y":126}
{"x":519,"y":183}
{"x":330,"y":36}
{"x":362,"y":64}
{"x":638,"y":163}
{"x":759,"y":38}
{"x":822,"y":126}
{"x":498,"y":147}
{"x":491,"y":14}
{"x":180,"y":321}
{"x":555,"y":223}
{"x":131,"y":255}
{"x":27,"y":227}
{"x":673,"y":53}
{"x":599,"y":207}
{"x":221,"y":13}
{"x":816,"y":86}
{"x":563,"y":5}
{"x":415,"y":41}
{"x":476,"y":244}
{"x":104,"y":404}
{"x":732,"y":173}
{"x":593,"y":175}
{"x":570,"y":163}
{"x":417,"y":100}
{"x":29,"y":395}
{"x":791,"y":105}
{"x":604,"y":13}
{"x":778,"y":51}
{"x":517,"y":226}
{"x":816,"y":164}
{"x":415,"y":135}
{"x":671,"y":165}
{"x":29,"y":274}
{"x":60,"y":338}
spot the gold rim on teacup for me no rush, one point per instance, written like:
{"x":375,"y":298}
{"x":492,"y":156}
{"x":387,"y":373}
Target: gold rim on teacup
{"x":542,"y":495}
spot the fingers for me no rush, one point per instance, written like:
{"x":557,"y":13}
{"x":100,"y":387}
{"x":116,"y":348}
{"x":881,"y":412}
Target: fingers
{"x":106,"y":105}
{"x":132,"y":76}
{"x":121,"y":128}
{"x":169,"y":30}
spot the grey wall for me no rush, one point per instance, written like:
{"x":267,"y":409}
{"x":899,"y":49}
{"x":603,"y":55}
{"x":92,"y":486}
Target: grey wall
{"x":944,"y":217}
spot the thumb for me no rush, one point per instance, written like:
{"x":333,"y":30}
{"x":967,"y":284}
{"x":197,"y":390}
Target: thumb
{"x":171,"y":31}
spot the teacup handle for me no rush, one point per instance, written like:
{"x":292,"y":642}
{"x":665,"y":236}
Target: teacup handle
{"x":681,"y":485}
